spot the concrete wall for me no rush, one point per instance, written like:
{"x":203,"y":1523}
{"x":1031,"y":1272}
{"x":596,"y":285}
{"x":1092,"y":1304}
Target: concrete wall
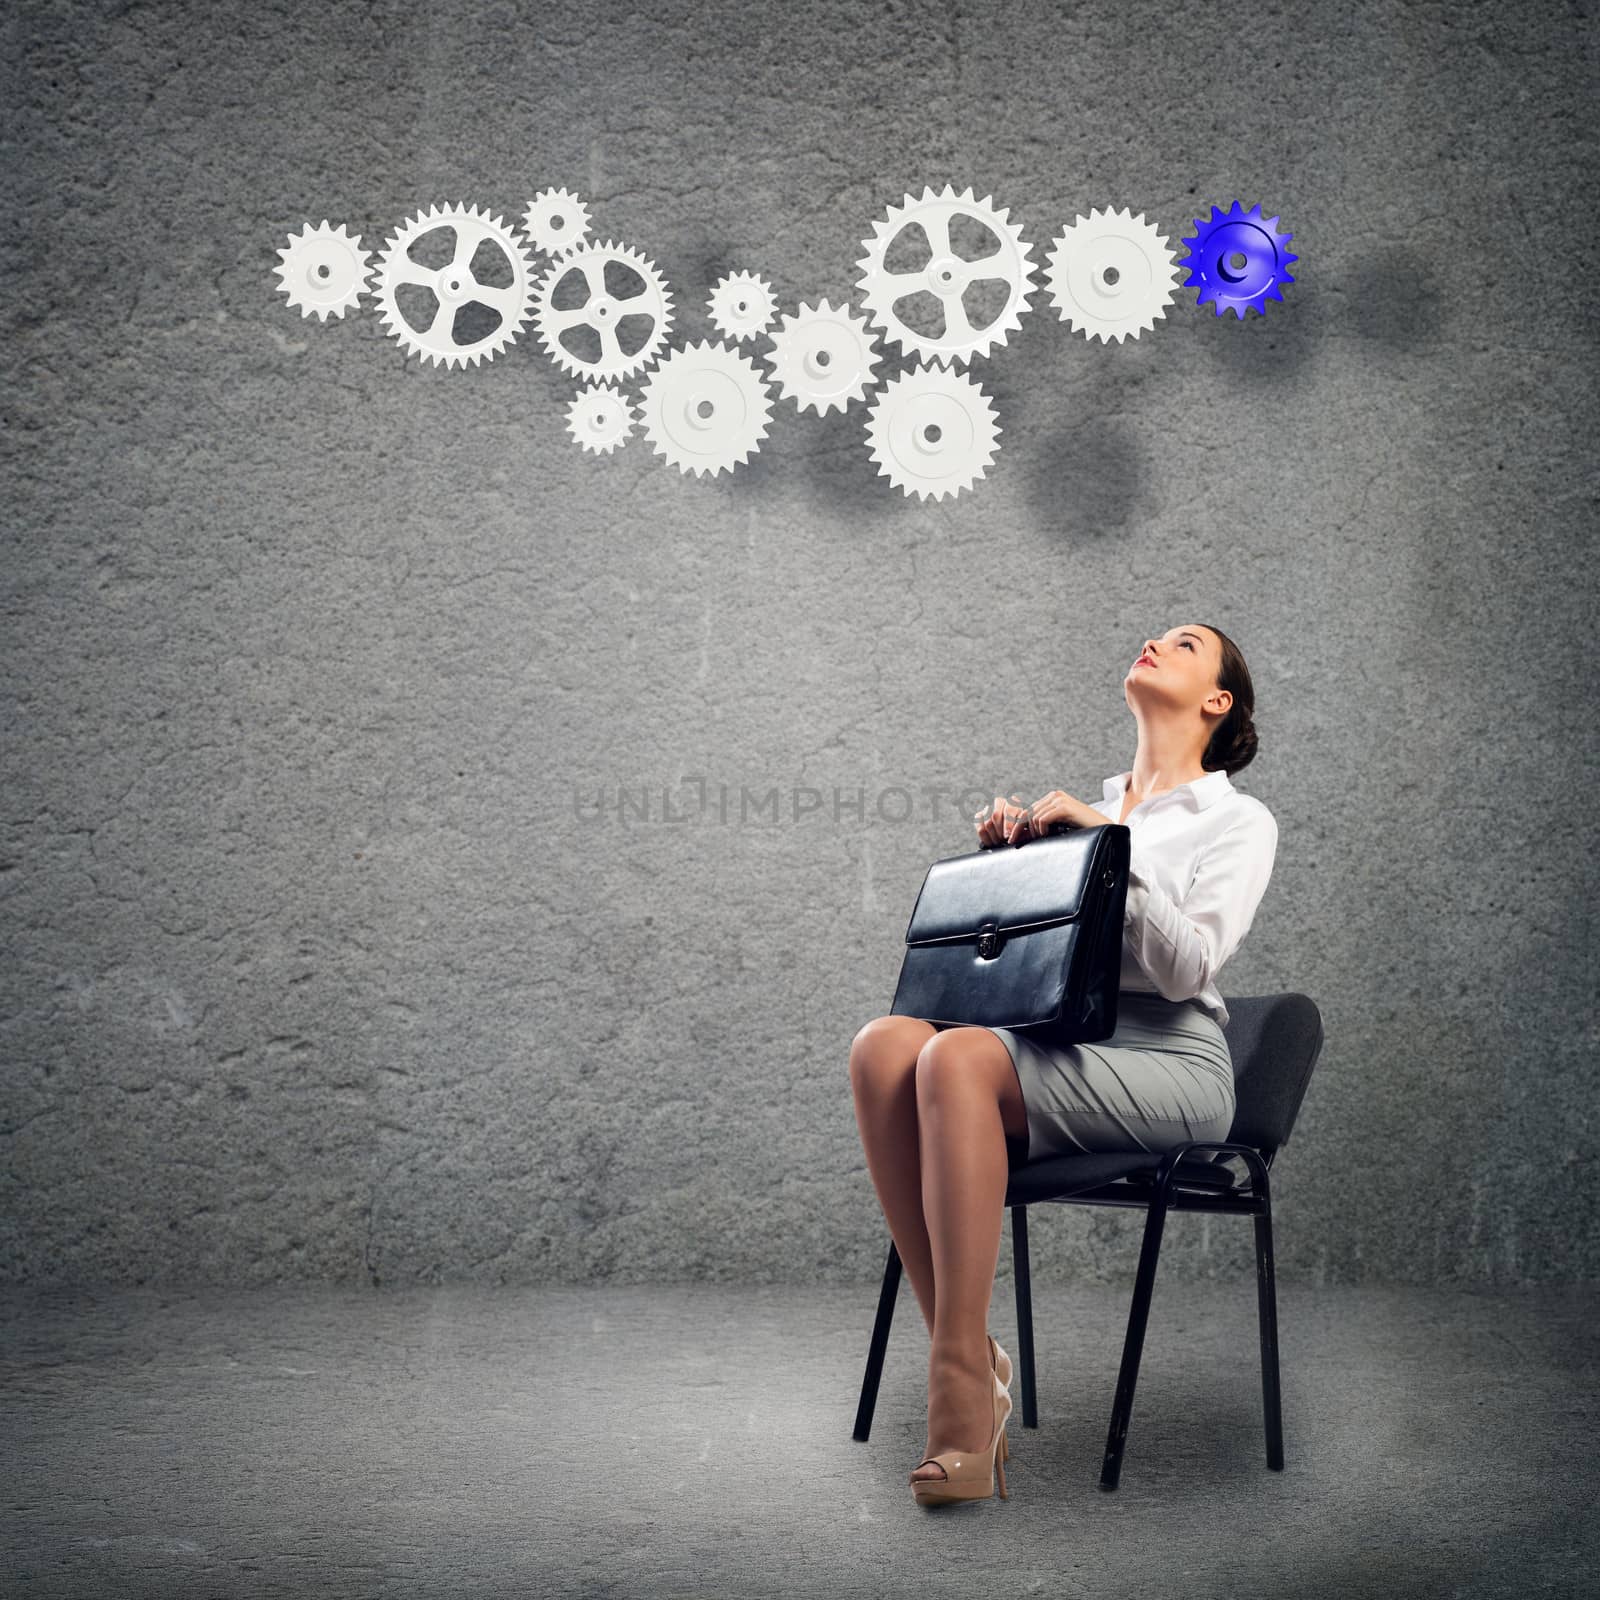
{"x":312,"y":966}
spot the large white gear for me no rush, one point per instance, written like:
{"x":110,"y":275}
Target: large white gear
{"x":324,"y":270}
{"x":824,"y":357}
{"x":601,"y":312}
{"x":556,"y":221}
{"x":706,"y":407}
{"x":453,"y":285}
{"x":946,"y":275}
{"x":600,"y":418}
{"x":742,"y":306}
{"x":1110,"y":274}
{"x":932,"y":432}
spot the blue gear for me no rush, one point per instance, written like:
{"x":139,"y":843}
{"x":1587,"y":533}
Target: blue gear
{"x":1237,"y":232}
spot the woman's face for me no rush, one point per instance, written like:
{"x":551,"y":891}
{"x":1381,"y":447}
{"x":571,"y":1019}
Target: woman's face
{"x":1179,"y":669}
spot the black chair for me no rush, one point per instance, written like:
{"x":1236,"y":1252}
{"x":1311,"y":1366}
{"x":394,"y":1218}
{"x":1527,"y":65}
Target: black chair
{"x":1274,"y":1041}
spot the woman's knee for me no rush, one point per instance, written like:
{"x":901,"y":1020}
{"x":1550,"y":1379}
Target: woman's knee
{"x":947,"y":1054}
{"x":887,"y":1048}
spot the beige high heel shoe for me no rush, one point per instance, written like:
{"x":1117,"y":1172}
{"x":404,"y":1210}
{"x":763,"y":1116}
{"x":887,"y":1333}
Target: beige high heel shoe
{"x":1001,"y":1363}
{"x":968,"y":1476}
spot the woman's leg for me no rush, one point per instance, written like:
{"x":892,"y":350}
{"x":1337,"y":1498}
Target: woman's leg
{"x":883,"y":1063}
{"x":969,"y":1104}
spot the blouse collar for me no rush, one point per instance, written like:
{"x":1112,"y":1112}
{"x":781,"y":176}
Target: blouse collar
{"x":1202,"y":792}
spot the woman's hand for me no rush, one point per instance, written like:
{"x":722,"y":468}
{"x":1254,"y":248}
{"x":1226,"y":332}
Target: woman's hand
{"x":999,"y":823}
{"x":1058,"y":808}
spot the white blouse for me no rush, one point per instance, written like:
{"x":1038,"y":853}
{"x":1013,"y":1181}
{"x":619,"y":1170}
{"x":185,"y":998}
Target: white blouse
{"x":1200,"y":858}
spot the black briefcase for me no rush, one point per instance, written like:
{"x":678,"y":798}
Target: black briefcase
{"x":1022,"y":936}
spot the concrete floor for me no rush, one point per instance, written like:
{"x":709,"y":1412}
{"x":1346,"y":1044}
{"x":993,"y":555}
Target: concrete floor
{"x":696,"y":1441}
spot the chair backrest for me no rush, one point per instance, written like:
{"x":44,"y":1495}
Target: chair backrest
{"x":1274,"y":1040}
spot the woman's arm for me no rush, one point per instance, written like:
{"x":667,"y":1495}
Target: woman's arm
{"x":1184,"y":947}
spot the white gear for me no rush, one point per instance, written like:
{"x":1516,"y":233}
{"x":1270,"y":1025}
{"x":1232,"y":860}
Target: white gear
{"x":556,"y":220}
{"x":932,"y":431}
{"x":824,"y":358}
{"x":1110,"y":275}
{"x":742,"y":305}
{"x":324,"y":270}
{"x":454,"y":285}
{"x":946,"y":275}
{"x":706,"y":407}
{"x":600,"y":418}
{"x":601,"y":312}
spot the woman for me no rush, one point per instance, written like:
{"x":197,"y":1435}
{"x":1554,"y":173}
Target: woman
{"x":944,"y":1112}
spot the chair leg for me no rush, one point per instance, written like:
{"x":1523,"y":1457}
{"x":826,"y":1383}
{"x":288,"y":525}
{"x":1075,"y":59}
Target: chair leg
{"x":1138,"y":1316}
{"x":880,"y":1342}
{"x":1267,"y":1302}
{"x":1019,"y":1269}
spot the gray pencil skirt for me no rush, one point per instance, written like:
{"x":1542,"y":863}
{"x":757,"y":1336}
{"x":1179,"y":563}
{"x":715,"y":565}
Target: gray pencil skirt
{"x":1165,"y":1076}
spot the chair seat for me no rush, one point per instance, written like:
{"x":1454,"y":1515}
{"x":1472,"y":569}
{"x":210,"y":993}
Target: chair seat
{"x":1057,"y":1176}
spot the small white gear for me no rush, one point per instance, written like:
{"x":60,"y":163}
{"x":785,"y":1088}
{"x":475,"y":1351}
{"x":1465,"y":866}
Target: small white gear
{"x":602,"y":313}
{"x":947,"y":275}
{"x":706,"y":407}
{"x":600,"y":418}
{"x":1110,"y":274}
{"x":824,"y":357}
{"x":556,"y":221}
{"x":932,"y":431}
{"x":454,"y":286}
{"x":742,"y":306}
{"x":324,"y":270}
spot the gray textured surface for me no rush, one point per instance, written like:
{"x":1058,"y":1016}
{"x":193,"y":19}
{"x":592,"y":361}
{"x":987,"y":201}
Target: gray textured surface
{"x":696,"y":1441}
{"x":310,"y":969}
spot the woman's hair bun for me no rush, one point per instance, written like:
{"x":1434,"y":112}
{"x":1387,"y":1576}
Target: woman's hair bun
{"x":1243,"y":749}
{"x":1233,"y":741}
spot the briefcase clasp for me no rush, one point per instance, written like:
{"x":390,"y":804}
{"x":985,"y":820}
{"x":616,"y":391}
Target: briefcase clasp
{"x":989,"y":940}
